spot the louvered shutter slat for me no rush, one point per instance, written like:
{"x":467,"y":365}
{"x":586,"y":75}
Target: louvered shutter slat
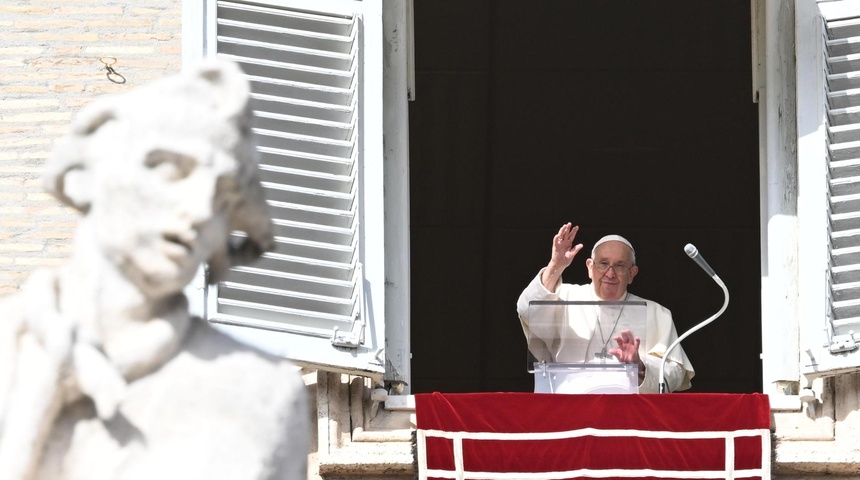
{"x":294,"y":107}
{"x":303,"y":160}
{"x":339,"y":222}
{"x":844,"y":63}
{"x":843,"y":46}
{"x":304,"y":143}
{"x":304,"y":21}
{"x":845,"y":99}
{"x":847,"y":292}
{"x":845,"y":204}
{"x":843,"y":29}
{"x":310,"y":180}
{"x":309,"y":196}
{"x":844,"y":151}
{"x":270,"y":121}
{"x":336,"y":97}
{"x":289,"y":282}
{"x":845,"y":133}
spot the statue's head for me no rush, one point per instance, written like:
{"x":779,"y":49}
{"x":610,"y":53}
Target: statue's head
{"x":163,"y":174}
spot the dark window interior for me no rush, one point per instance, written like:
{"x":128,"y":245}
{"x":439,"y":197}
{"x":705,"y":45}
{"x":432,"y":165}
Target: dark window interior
{"x":623,"y":117}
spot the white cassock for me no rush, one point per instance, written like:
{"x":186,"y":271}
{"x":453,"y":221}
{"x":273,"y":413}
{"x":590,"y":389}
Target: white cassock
{"x":574,"y":334}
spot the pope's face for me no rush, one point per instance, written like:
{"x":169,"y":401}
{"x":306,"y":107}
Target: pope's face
{"x":160,"y":207}
{"x":611,"y":270}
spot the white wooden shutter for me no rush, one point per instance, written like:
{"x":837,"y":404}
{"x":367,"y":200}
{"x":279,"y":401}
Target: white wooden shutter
{"x":316,"y":76}
{"x":828,"y":65}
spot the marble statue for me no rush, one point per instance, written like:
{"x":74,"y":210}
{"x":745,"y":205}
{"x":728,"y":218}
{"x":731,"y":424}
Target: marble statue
{"x":103,"y":372}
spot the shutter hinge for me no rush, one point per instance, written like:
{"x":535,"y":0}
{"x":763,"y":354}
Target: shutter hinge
{"x":352,"y":339}
{"x":842,"y":343}
{"x":355,"y":336}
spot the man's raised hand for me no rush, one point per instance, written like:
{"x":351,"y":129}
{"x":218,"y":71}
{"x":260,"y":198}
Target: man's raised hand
{"x":563,"y":249}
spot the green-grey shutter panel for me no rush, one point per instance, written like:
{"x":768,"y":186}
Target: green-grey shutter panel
{"x":832,"y":61}
{"x":316,"y":78}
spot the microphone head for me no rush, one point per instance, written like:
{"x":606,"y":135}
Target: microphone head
{"x":691,"y":250}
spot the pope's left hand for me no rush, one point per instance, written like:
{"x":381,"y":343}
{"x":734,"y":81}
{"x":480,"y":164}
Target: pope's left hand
{"x":628,"y":347}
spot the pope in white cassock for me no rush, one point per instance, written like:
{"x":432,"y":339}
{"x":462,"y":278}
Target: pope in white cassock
{"x":574,"y":333}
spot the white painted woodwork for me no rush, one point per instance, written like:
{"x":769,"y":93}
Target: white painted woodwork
{"x":779,"y":200}
{"x":828,"y":53}
{"x":316,"y":73}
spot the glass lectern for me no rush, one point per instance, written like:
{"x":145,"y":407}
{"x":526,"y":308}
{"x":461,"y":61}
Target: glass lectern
{"x":569,"y":344}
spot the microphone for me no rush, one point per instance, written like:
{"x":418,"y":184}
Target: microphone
{"x":693,"y":253}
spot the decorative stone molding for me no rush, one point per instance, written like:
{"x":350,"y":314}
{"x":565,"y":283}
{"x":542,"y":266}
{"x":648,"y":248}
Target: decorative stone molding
{"x":358,"y":437}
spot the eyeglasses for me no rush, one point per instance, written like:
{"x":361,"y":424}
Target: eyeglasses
{"x":603,"y":266}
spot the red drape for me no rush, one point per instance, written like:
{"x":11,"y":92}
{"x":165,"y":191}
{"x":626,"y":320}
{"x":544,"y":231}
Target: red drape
{"x":502,"y":435}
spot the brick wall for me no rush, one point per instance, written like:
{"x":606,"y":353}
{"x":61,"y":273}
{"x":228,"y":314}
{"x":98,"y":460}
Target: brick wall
{"x":50,"y":67}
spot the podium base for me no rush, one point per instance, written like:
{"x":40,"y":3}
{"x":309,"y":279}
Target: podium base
{"x":593,"y":378}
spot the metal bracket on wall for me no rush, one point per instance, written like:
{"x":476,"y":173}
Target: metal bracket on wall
{"x":351,"y":339}
{"x":843,"y":343}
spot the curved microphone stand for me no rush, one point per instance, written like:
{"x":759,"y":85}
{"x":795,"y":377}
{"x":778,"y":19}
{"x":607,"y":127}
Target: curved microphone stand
{"x":693,"y":253}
